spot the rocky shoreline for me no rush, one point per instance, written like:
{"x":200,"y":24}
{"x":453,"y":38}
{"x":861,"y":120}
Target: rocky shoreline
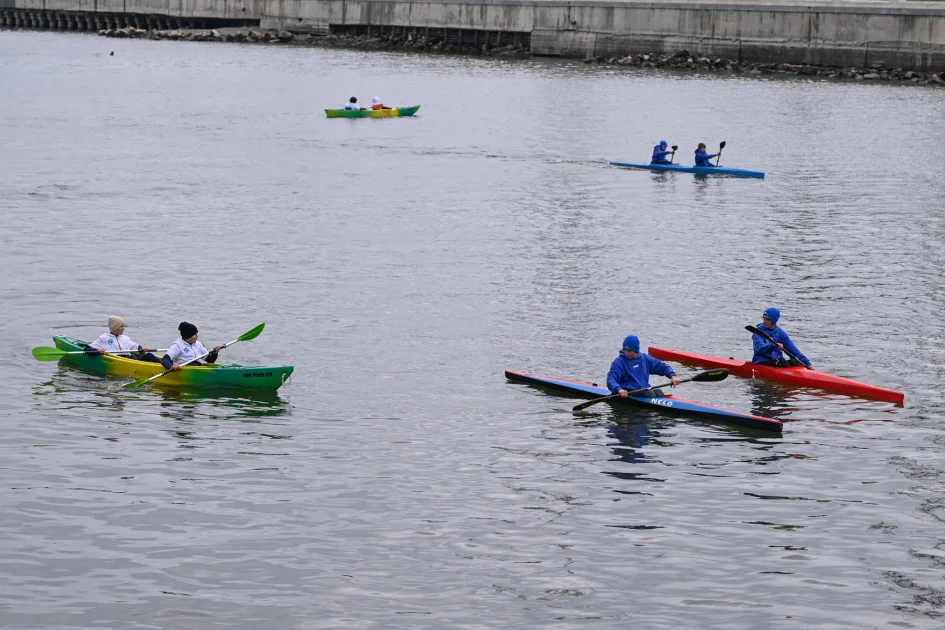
{"x":682,"y":60}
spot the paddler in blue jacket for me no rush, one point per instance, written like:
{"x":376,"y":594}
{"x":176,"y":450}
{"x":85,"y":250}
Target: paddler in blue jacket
{"x":631,"y":369}
{"x":767,"y":353}
{"x":702,"y":158}
{"x":660,"y":152}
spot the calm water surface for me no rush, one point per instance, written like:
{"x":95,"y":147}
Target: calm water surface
{"x":401,"y":265}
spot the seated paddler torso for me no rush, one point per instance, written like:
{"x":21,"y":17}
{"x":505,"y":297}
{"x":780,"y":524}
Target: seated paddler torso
{"x":186,"y":348}
{"x":117,"y":342}
{"x":660,"y":152}
{"x":767,"y":353}
{"x":702,"y":158}
{"x":631,"y":369}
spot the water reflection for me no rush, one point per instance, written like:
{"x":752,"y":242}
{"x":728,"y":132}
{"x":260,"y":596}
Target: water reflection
{"x":70,"y":387}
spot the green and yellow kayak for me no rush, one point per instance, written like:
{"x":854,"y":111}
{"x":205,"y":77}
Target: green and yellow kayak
{"x":227,"y":375}
{"x":372,"y":113}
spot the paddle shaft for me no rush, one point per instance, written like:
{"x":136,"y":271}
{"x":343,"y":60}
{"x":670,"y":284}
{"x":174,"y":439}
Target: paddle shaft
{"x":114,"y":352}
{"x":764,"y":335}
{"x":699,"y":376}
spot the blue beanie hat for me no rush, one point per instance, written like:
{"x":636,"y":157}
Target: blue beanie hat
{"x":773,"y":314}
{"x":632,"y":342}
{"x":663,"y":143}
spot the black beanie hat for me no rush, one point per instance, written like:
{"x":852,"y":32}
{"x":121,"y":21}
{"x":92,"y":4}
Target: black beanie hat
{"x":187,"y":330}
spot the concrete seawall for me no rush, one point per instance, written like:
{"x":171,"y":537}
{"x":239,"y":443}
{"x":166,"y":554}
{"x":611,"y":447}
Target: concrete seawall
{"x":893,"y":34}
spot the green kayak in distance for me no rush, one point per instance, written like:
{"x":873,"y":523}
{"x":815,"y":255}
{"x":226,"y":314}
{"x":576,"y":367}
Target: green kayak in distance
{"x":396,"y":112}
{"x":208,"y":375}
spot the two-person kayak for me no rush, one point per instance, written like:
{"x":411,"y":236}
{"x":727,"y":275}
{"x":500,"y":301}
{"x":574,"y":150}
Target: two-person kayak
{"x":798,"y":375}
{"x":665,"y":404}
{"x":397,"y":112}
{"x":700,"y":170}
{"x":207,"y":375}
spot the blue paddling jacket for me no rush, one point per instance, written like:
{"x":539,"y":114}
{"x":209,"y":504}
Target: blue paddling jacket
{"x":659,"y":155}
{"x":702,"y":158}
{"x":766,"y":351}
{"x":630,"y":374}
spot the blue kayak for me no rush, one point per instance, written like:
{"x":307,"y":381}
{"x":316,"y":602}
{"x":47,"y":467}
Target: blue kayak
{"x":701,"y":170}
{"x":666,"y":404}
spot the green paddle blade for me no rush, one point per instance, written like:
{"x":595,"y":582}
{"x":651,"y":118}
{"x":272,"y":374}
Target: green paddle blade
{"x":137,"y":383}
{"x":252,"y":334}
{"x":44,"y":353}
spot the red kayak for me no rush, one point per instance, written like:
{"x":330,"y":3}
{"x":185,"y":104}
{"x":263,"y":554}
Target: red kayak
{"x":799,"y":375}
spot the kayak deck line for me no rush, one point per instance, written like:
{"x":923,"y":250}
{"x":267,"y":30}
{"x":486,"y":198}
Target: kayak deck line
{"x":796,"y":375}
{"x":698,"y":170}
{"x":667,"y":404}
{"x":208,"y":375}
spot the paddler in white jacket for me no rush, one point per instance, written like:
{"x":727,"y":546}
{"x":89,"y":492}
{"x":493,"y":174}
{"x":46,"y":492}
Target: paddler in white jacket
{"x":116,"y":342}
{"x":187,"y":348}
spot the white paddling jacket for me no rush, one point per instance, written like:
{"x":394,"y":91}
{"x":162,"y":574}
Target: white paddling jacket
{"x":110,"y":343}
{"x":181,"y":351}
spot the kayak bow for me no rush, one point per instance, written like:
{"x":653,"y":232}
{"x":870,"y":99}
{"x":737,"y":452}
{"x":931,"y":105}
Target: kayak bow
{"x":667,"y":404}
{"x":799,"y":375}
{"x":208,"y":375}
{"x":699,"y":170}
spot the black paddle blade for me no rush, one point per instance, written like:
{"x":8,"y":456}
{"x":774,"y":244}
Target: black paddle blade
{"x":675,"y":146}
{"x":710,"y":376}
{"x":722,"y":145}
{"x":755,"y":331}
{"x":587,"y":404}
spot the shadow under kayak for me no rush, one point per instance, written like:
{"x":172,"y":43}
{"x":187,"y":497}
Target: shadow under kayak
{"x":667,"y":404}
{"x":799,"y":375}
{"x":700,"y":170}
{"x":396,"y":112}
{"x":204,"y":376}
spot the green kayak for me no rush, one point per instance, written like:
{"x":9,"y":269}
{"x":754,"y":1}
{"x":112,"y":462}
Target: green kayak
{"x":372,"y":113}
{"x":227,"y":375}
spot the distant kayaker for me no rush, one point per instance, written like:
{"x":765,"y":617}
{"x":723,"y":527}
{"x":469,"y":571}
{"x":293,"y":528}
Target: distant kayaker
{"x":187,"y":348}
{"x":378,"y":104}
{"x":767,"y":353}
{"x":353,"y":104}
{"x":702,"y":158}
{"x":116,"y":341}
{"x":631,"y":370}
{"x":660,"y":152}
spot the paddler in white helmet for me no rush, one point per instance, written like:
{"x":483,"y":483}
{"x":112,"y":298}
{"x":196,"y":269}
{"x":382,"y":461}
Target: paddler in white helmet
{"x":378,"y":103}
{"x":117,"y":342}
{"x":631,"y":370}
{"x":767,"y":353}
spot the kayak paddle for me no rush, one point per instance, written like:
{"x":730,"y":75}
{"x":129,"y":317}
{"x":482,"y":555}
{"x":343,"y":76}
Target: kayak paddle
{"x":764,"y":335}
{"x":719,"y":156}
{"x":44,"y":353}
{"x":674,"y":147}
{"x":246,"y":336}
{"x":701,"y":377}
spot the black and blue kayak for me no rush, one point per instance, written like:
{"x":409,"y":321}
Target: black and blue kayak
{"x":665,"y":404}
{"x":700,"y":170}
